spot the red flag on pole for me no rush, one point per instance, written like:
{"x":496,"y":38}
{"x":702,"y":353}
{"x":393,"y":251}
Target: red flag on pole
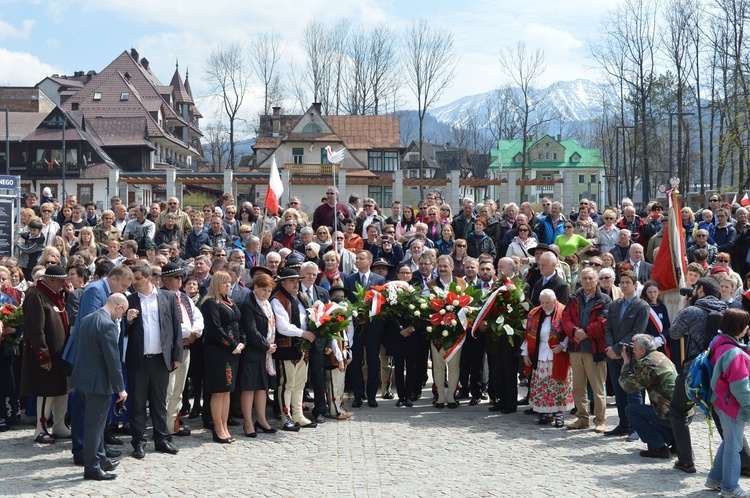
{"x":670,"y":264}
{"x":745,"y":200}
{"x":275,"y":188}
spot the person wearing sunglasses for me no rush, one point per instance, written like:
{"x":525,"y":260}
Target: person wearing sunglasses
{"x":725,"y":235}
{"x":701,"y":242}
{"x":608,"y":232}
{"x":570,"y":242}
{"x":522,"y":245}
{"x":330,"y":213}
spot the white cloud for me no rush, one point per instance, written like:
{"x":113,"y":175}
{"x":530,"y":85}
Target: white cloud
{"x":27,"y":68}
{"x":7,"y":30}
{"x":550,"y":39}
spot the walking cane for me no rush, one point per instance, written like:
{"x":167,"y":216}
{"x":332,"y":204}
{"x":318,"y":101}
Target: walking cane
{"x":43,"y":419}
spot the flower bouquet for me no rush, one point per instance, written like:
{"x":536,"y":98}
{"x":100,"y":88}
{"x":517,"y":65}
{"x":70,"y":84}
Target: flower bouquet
{"x":505,"y":311}
{"x":382,"y":301}
{"x":11,"y":326}
{"x":450,"y":312}
{"x":327,"y":321}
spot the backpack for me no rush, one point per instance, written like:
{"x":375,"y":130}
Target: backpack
{"x":698,"y":382}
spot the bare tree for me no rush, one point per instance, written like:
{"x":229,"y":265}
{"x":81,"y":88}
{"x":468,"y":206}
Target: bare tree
{"x":523,"y":69}
{"x":358,"y":83}
{"x":266,"y":50}
{"x":218,"y":145}
{"x":228,"y":76}
{"x":501,"y":116}
{"x":430,"y":63}
{"x":384,"y":60}
{"x":296,"y":77}
{"x":324,"y":47}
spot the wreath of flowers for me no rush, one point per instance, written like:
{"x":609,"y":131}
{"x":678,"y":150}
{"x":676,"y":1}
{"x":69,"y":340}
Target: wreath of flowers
{"x":327,"y":321}
{"x":11,"y":318}
{"x":505,"y":310}
{"x":449,"y":313}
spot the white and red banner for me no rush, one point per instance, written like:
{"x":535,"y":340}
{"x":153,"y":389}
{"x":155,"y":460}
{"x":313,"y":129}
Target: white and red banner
{"x":275,"y":188}
{"x":670,"y":264}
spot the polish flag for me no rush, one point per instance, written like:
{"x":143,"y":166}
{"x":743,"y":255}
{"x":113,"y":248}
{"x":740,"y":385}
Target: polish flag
{"x":275,"y":188}
{"x":734,"y":199}
{"x":745,"y":200}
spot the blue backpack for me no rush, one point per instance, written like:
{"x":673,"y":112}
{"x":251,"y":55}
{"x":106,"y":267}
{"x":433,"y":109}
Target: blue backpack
{"x":698,"y":381}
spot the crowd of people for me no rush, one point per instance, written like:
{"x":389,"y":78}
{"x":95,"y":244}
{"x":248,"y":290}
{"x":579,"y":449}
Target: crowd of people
{"x":206,"y":311}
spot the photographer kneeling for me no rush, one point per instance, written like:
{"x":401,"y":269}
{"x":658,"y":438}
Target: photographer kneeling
{"x":654,"y":372}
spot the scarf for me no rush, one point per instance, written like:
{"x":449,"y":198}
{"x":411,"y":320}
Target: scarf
{"x":58,"y":300}
{"x":560,"y":361}
{"x":270,"y":335}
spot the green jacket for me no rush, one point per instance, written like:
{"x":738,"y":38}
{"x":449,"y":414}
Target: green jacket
{"x":656,"y":374}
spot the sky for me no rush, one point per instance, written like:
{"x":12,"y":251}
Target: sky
{"x":39,"y":38}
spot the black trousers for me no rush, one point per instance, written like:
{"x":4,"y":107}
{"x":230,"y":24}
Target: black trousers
{"x":366,"y":345}
{"x":406,"y":375}
{"x":472,"y":365}
{"x":195,"y":374}
{"x":149,"y":382}
{"x":318,"y":377}
{"x":503,"y":374}
{"x":97,"y":409}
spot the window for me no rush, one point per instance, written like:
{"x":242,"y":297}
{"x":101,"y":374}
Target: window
{"x":382,"y":160}
{"x":593,"y":179}
{"x":546,"y":156}
{"x":85,"y":193}
{"x":382,"y":195}
{"x":546,"y":176}
{"x":323,"y":156}
{"x":554,"y":156}
{"x":124,"y":96}
{"x":311,"y":128}
{"x":575,"y":158}
{"x":97,"y":96}
{"x":581,"y":178}
{"x":298,"y":155}
{"x":74,"y":106}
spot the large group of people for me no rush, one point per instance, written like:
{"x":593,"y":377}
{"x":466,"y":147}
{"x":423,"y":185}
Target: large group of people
{"x":205,"y":311}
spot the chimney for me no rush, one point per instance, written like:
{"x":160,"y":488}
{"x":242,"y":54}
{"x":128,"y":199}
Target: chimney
{"x":276,"y":121}
{"x":134,"y":54}
{"x":316,"y":105}
{"x":559,"y":137}
{"x":144,"y":63}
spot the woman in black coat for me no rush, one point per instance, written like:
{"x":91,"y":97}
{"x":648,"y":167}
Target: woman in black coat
{"x":259,"y":328}
{"x":223,"y":341}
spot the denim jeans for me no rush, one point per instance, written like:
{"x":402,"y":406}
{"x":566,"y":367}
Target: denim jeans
{"x":727,"y":460}
{"x":653,"y":430}
{"x":622,"y":398}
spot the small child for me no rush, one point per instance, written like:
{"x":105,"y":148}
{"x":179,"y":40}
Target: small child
{"x":30,"y":246}
{"x":113,"y":252}
{"x":707,"y":224}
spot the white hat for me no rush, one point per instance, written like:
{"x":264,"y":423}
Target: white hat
{"x":47,"y":192}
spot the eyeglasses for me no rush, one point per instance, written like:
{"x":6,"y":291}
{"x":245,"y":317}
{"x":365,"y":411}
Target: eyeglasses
{"x":598,"y":265}
{"x":289,"y":225}
{"x":330,"y":193}
{"x":370,"y":205}
{"x":208,"y":211}
{"x":701,"y":235}
{"x":389,"y":232}
{"x":308,"y":249}
{"x":584,"y":204}
{"x":231,"y":212}
{"x":340,"y":238}
{"x":522,"y":230}
{"x":460,"y":245}
{"x":605,"y":278}
{"x":322,"y":233}
{"x":546,"y":204}
{"x":713,"y":200}
{"x":444,"y":209}
{"x":721,"y":216}
{"x":46,"y":210}
{"x":171,"y":203}
{"x":609,"y":218}
{"x":723,"y":260}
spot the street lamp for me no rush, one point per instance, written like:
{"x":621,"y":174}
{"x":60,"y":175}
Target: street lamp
{"x":617,"y":159}
{"x":679,"y":139}
{"x":7,"y":140}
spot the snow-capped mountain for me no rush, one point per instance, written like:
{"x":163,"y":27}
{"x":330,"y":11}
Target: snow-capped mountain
{"x":565,"y":103}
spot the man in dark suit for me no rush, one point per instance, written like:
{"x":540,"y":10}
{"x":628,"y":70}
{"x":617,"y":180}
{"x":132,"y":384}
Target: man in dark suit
{"x":93,"y":297}
{"x":309,"y":294}
{"x":626,"y":317}
{"x":154,"y":349}
{"x":367,"y":337}
{"x":549,"y":280}
{"x":239,"y":292}
{"x":641,"y":268}
{"x":96,"y":375}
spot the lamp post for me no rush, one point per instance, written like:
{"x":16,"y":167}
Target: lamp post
{"x":617,"y":159}
{"x":7,"y":139}
{"x":679,"y":139}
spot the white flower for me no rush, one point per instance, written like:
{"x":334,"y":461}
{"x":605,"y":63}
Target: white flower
{"x":510,"y":309}
{"x":455,"y":302}
{"x":525,"y":305}
{"x":508,"y":329}
{"x":449,"y":308}
{"x":454,"y":323}
{"x":423,"y":305}
{"x":524,"y":324}
{"x":445,"y":333}
{"x":355,"y":313}
{"x":417,"y":313}
{"x":442,"y":312}
{"x":411,"y":307}
{"x":500,"y":320}
{"x":429,"y":329}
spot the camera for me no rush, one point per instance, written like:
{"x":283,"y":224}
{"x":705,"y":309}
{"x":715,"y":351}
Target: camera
{"x":626,"y":347}
{"x":686,"y":291}
{"x":385,"y":238}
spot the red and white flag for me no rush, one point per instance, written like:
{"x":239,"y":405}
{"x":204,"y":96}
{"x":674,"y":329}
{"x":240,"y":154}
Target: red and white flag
{"x":55,"y":163}
{"x":745,"y":200}
{"x":670,"y":265}
{"x":734,"y":199}
{"x":275,"y":188}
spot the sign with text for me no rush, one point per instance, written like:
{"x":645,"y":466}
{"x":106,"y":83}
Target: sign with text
{"x":9,"y":182}
{"x":6,"y":226}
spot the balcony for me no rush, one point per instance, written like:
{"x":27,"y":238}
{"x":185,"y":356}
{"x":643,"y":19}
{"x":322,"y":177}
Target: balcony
{"x":307,"y":169}
{"x":40,"y":169}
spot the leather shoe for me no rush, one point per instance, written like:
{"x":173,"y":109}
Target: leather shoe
{"x":320,"y":419}
{"x":99,"y":476}
{"x":43,"y":438}
{"x":388,"y":394}
{"x":452,"y":405}
{"x":579,"y":424}
{"x":408,"y":403}
{"x":495,"y":408}
{"x":399,"y":403}
{"x":110,"y":465}
{"x":657,"y":453}
{"x":439,"y":406}
{"x":372,"y":403}
{"x":195,"y":412}
{"x":617,"y":431}
{"x":357,"y":403}
{"x":290,"y":426}
{"x":524,"y":401}
{"x":688,"y":467}
{"x":113,"y":453}
{"x":167,"y":447}
{"x":184,"y":431}
{"x":473,"y":402}
{"x":232,"y":422}
{"x":311,"y":425}
{"x":111,"y":440}
{"x":139,"y":452}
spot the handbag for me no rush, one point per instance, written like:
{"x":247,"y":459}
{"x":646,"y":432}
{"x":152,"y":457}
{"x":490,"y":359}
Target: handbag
{"x":594,"y":250}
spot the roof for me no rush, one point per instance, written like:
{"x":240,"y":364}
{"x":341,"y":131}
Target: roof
{"x":120,"y":131}
{"x":180,"y":93}
{"x":21,"y":124}
{"x":507,"y":151}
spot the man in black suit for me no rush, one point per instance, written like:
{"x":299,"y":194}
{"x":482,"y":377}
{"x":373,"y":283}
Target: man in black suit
{"x":549,"y":280}
{"x":96,"y":375}
{"x":367,"y":337}
{"x":154,"y":349}
{"x":309,"y":294}
{"x":641,"y":268}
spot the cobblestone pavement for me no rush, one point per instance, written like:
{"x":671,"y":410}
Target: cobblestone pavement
{"x":386,"y":451}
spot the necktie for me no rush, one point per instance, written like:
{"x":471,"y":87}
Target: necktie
{"x":486,"y":285}
{"x":309,"y":296}
{"x":544,"y":281}
{"x":363,"y":280}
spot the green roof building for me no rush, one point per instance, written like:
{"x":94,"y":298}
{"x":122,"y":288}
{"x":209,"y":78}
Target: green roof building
{"x":579,"y":171}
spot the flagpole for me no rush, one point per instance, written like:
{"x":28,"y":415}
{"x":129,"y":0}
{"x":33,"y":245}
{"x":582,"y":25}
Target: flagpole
{"x":335,"y":205}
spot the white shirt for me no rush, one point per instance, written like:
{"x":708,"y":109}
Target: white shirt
{"x":545,"y":352}
{"x":150,"y":320}
{"x":283,"y":325}
{"x":185,"y":325}
{"x":367,"y":223}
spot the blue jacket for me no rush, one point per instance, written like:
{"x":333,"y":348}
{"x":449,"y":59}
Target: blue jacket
{"x":93,"y":297}
{"x":194,"y":243}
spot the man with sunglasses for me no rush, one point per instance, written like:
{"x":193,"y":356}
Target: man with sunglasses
{"x":592,"y":214}
{"x":630,"y":221}
{"x":701,"y":242}
{"x":182,"y":220}
{"x":331,"y":213}
{"x":367,"y":217}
